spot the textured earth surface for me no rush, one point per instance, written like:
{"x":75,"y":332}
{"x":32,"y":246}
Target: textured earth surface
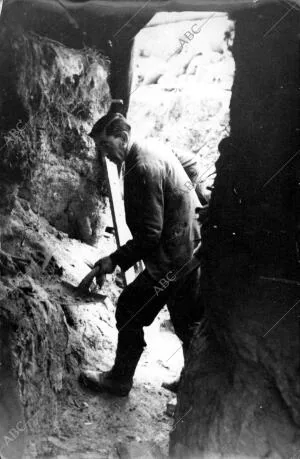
{"x":59,"y":332}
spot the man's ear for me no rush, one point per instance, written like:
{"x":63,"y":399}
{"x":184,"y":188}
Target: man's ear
{"x":125,"y":137}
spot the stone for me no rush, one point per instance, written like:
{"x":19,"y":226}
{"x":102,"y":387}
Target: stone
{"x":240,"y":391}
{"x":54,"y":104}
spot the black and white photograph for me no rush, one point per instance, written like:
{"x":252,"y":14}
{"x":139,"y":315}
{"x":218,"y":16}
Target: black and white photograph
{"x":149,"y":229}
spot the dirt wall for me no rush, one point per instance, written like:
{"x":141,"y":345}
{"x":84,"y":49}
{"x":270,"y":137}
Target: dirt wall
{"x":49,"y":174}
{"x":50,"y":97}
{"x":240,"y":393}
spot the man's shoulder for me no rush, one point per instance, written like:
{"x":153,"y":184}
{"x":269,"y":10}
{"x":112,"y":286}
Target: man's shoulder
{"x":150,"y":151}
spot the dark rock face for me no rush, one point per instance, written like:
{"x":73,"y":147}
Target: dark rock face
{"x":240,"y":394}
{"x":11,"y":412}
{"x":50,"y":97}
{"x":47,"y":330}
{"x":34,"y":340}
{"x":109,"y":28}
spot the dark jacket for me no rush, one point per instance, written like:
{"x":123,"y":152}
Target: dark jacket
{"x":159,"y":209}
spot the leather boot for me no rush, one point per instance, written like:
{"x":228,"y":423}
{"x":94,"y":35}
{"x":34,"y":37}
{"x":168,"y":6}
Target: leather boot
{"x":105,"y":382}
{"x":119,"y":380}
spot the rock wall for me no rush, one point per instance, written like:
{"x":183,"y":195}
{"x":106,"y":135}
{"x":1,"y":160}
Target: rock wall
{"x":35,"y":341}
{"x":50,"y":97}
{"x":49,"y":173}
{"x":47,"y":329}
{"x":34,"y":334}
{"x":240,"y":392}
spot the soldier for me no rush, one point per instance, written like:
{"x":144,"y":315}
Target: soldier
{"x":161,"y":218}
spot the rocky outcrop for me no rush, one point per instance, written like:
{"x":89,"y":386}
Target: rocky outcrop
{"x":50,"y":97}
{"x":240,"y":394}
{"x":37,"y":340}
{"x":34,"y":338}
{"x":47,"y":329}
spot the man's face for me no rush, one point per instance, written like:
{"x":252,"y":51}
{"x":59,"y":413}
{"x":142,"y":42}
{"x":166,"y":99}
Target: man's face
{"x":111,"y":147}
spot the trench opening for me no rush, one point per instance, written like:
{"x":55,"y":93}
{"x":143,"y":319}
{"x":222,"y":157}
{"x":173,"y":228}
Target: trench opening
{"x":182,"y":81}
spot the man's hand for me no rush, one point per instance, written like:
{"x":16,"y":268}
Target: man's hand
{"x":105,"y":265}
{"x":88,"y":279}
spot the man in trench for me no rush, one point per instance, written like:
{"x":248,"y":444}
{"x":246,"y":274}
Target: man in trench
{"x":160,"y":213}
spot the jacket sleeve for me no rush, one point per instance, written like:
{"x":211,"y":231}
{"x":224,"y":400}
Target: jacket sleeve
{"x":145,"y":220}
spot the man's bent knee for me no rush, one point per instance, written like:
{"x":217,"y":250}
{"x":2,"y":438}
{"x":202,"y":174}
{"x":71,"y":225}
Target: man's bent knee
{"x":124,"y":312}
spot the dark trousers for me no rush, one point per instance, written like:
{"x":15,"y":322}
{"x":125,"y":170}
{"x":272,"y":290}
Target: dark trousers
{"x":141,"y":301}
